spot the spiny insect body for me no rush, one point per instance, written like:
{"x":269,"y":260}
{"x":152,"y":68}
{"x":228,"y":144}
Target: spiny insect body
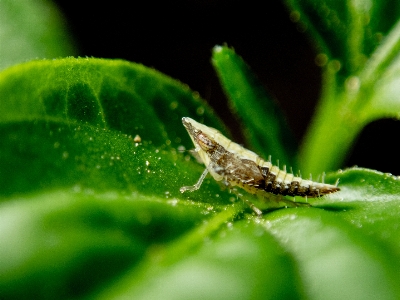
{"x":236,"y":166}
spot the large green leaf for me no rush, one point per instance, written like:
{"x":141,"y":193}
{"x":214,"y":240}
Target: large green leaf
{"x":88,"y":210}
{"x":108,"y":94}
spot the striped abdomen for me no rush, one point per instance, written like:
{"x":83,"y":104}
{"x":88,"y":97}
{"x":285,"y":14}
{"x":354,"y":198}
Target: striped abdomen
{"x":279,"y":182}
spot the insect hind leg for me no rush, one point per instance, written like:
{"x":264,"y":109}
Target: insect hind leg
{"x":250,"y":204}
{"x":254,"y":208}
{"x":192,"y":188}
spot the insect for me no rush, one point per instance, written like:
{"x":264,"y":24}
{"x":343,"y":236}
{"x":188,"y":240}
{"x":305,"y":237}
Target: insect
{"x":234,"y":165}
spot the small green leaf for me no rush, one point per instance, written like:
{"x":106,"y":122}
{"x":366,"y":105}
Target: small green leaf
{"x":263,"y":122}
{"x":380,"y":80}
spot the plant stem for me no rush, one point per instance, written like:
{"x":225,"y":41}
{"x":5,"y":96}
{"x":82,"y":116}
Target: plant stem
{"x":332,"y":130}
{"x":356,"y":35}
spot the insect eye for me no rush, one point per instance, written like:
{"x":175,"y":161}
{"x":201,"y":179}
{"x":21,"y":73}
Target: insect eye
{"x":205,"y":142}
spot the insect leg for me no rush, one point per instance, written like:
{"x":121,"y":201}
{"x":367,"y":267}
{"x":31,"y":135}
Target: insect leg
{"x":192,"y":188}
{"x":254,"y":208}
{"x":290,"y":203}
{"x":250,"y":204}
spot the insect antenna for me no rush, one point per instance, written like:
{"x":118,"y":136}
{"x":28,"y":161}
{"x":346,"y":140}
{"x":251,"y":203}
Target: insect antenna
{"x":194,"y":152}
{"x":190,"y":151}
{"x":182,"y":149}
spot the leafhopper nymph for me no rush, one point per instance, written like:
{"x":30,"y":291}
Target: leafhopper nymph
{"x":234,"y":165}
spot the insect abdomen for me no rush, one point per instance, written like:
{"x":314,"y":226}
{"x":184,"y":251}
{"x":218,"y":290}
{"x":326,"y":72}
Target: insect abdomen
{"x":279,"y":182}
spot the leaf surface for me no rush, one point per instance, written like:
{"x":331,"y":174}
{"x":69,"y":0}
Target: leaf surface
{"x":89,"y":211}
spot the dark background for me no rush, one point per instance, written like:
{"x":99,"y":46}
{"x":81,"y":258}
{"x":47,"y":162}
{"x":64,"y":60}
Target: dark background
{"x":176,"y":38}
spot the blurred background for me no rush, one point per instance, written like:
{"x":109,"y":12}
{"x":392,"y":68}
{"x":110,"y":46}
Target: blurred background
{"x":176,"y":38}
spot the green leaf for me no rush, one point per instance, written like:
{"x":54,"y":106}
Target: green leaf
{"x":335,"y":259}
{"x":381,"y":80}
{"x":358,"y":45}
{"x":32,"y":29}
{"x":345,"y":30}
{"x":109,"y":94}
{"x":263,"y":122}
{"x":63,"y":243}
{"x":235,"y":264}
{"x":67,"y":146}
{"x":89,"y":211}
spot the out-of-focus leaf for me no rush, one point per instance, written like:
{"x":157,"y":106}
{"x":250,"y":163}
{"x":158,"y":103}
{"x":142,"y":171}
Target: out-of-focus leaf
{"x":32,"y":29}
{"x":64,"y":243}
{"x":348,"y":31}
{"x":241,"y":262}
{"x":264,"y":125}
{"x":336,"y":259}
{"x":358,"y":44}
